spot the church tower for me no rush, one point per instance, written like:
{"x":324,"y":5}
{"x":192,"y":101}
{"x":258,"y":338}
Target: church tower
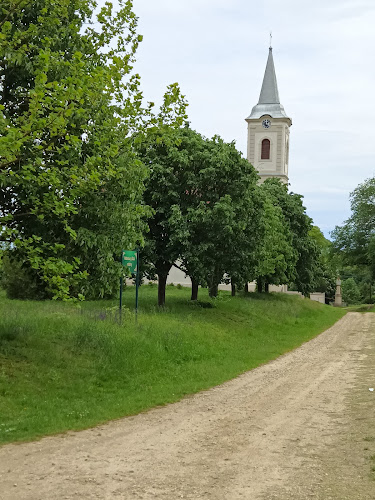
{"x":268,"y":130}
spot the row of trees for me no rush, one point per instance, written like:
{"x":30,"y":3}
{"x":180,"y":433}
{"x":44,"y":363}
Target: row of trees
{"x":87,"y":170}
{"x":354,"y":245}
{"x":209,"y":214}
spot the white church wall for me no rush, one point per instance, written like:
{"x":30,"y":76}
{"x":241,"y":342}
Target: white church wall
{"x":178,"y":277}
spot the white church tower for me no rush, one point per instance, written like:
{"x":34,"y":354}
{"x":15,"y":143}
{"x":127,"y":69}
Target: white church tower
{"x":268,"y":130}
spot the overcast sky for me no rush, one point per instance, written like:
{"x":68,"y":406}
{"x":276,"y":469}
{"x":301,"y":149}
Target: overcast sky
{"x":323,"y":53}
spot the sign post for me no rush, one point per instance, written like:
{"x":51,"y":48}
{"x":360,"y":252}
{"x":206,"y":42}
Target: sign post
{"x":137,"y":286}
{"x":130,"y":260}
{"x":121,"y":283}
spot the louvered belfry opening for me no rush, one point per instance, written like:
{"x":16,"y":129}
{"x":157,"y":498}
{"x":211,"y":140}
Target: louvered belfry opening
{"x":266,"y":146}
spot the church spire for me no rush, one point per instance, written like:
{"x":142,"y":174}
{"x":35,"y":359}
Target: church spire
{"x":268,"y":130}
{"x":269,"y":100}
{"x":269,"y":93}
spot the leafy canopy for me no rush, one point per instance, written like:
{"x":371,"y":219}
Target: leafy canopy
{"x":70,"y":105}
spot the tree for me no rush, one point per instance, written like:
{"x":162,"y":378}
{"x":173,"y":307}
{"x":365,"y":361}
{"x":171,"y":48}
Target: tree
{"x":164,"y":151}
{"x":327,"y":271}
{"x":302,"y":262}
{"x":218,"y":227}
{"x":350,"y":291}
{"x":275,"y":254}
{"x":200,"y":191}
{"x":69,"y":107}
{"x":355,"y":239}
{"x":62,"y":123}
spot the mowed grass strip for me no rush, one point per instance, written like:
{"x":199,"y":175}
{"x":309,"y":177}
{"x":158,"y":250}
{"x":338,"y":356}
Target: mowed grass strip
{"x":64,"y":367}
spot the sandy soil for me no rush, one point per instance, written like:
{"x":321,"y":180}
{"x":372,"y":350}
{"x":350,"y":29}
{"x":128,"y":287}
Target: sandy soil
{"x":299,"y":427}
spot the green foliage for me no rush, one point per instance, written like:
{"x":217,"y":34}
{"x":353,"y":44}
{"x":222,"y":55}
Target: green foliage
{"x":165,"y":153}
{"x":219,"y":220}
{"x":327,"y":272}
{"x":355,"y":239}
{"x":201,"y":193}
{"x":67,"y":367}
{"x":109,"y":221}
{"x":68,"y":101}
{"x":76,"y":145}
{"x":350,"y":291}
{"x":275,"y":254}
{"x":19,"y":282}
{"x":319,"y":238}
{"x":289,"y":253}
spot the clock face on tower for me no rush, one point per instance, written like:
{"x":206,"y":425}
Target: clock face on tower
{"x":266,"y":123}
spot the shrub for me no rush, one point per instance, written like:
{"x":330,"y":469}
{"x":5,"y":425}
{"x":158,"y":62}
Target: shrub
{"x":350,"y":291}
{"x":20,"y":282}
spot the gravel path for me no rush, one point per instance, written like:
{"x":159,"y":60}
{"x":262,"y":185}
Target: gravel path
{"x":296,"y":428}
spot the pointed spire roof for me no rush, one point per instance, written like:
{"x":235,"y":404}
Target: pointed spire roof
{"x":269,"y":93}
{"x":269,"y":100}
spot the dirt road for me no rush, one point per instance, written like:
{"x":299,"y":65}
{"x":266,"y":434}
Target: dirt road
{"x":296,"y":428}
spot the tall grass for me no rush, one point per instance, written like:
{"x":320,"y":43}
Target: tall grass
{"x":70,"y":367}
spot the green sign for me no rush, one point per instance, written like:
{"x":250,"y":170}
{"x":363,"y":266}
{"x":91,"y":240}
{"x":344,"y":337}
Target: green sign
{"x":129,"y":260}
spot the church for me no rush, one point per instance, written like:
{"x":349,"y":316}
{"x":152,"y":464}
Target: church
{"x":268,"y":130}
{"x":267,"y":148}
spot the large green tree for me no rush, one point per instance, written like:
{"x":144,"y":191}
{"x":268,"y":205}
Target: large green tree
{"x":168,"y":155}
{"x":70,"y":106}
{"x":327,"y":272}
{"x":67,"y":101}
{"x":219,"y":226}
{"x":200,"y":192}
{"x":355,"y":239}
{"x":301,"y":254}
{"x":275,"y":257}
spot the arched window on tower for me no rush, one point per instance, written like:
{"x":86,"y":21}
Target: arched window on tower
{"x":266,"y":146}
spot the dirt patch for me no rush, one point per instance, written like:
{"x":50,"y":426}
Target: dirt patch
{"x":292,"y":429}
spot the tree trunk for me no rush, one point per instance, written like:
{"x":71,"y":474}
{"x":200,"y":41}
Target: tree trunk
{"x":259,"y":285}
{"x":162,"y":281}
{"x":194,"y":290}
{"x":266,"y":287}
{"x":233,"y":288}
{"x":212,"y":291}
{"x":246,"y":289}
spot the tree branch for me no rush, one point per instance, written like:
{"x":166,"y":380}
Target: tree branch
{"x":10,"y":12}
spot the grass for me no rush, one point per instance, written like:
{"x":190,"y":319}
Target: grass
{"x":361,"y":308}
{"x":66,"y":367}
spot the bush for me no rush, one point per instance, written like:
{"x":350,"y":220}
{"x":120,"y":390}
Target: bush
{"x":350,"y":292}
{"x":19,"y":282}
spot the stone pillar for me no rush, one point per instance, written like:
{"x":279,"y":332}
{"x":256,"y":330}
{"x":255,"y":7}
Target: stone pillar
{"x":338,"y":296}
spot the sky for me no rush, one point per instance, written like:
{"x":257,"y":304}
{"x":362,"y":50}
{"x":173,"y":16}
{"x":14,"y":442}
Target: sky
{"x":323,"y":52}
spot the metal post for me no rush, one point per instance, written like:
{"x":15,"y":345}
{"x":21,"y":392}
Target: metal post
{"x":121,"y":284}
{"x":137,"y":286}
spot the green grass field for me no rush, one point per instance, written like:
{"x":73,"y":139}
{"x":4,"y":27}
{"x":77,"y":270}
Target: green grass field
{"x":70,"y":367}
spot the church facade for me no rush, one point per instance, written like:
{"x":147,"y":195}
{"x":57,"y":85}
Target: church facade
{"x":268,"y":130}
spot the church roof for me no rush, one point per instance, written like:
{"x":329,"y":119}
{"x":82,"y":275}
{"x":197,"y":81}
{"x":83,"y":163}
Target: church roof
{"x":269,"y":100}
